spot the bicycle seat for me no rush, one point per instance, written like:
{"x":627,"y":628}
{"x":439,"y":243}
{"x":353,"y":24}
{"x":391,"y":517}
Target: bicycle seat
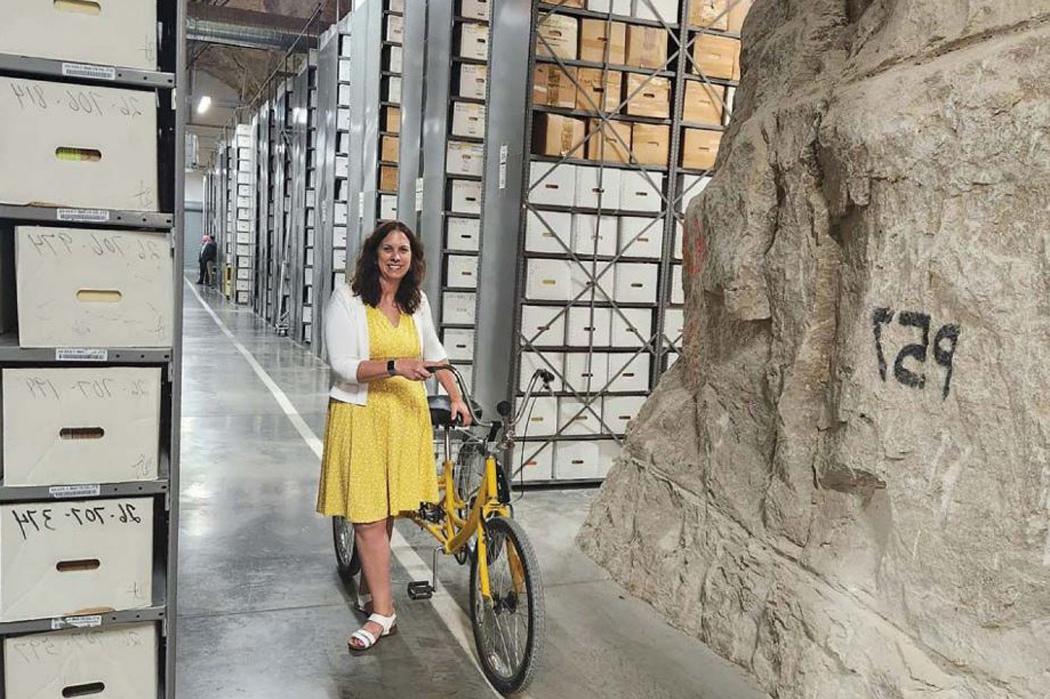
{"x":441,"y":410}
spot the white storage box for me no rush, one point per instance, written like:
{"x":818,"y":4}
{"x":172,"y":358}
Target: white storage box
{"x":548,"y":280}
{"x":589,"y":189}
{"x":543,"y":325}
{"x":63,"y":31}
{"x":100,"y":154}
{"x":396,"y":6}
{"x":75,"y":557}
{"x":459,"y":343}
{"x":575,"y":419}
{"x":121,"y":660}
{"x":344,"y":95}
{"x":475,"y":9}
{"x":552,"y":185}
{"x":631,"y":327}
{"x":679,"y":239}
{"x":531,"y":361}
{"x":343,"y":117}
{"x":631,"y":372}
{"x":473,"y":81}
{"x":395,"y":29}
{"x":617,"y":7}
{"x":618,"y":411}
{"x":339,"y":259}
{"x":93,"y":288}
{"x":586,"y":372}
{"x":585,"y":329}
{"x":580,"y":284}
{"x":458,"y":307}
{"x":388,"y":207}
{"x":397,"y":59}
{"x":243,"y":285}
{"x":727,"y":113}
{"x":465,"y":158}
{"x":244,"y":250}
{"x":608,"y":451}
{"x":637,"y":194}
{"x":474,"y":41}
{"x":244,"y":273}
{"x":68,"y":426}
{"x":462,"y":272}
{"x":342,"y":165}
{"x":466,"y":196}
{"x":674,"y":324}
{"x":677,"y":291}
{"x":543,"y":419}
{"x":548,"y":231}
{"x":245,"y":190}
{"x":665,"y":10}
{"x":244,"y":227}
{"x":340,"y":219}
{"x":636,"y":282}
{"x":692,"y":185}
{"x":594,"y":236}
{"x":641,"y":237}
{"x":538,"y":466}
{"x":468,"y":120}
{"x":576,"y":460}
{"x":464,"y":234}
{"x":244,"y":237}
{"x":393,"y":90}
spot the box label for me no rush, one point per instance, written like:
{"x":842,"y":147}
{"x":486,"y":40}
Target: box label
{"x":86,"y":70}
{"x":503,"y":152}
{"x":76,"y":354}
{"x":360,"y":205}
{"x":419,"y":194}
{"x":76,"y":622}
{"x":83,"y":215}
{"x":74,"y":491}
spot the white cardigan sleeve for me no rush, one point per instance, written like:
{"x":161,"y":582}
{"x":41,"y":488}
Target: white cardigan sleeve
{"x":433,"y":350}
{"x":340,"y":341}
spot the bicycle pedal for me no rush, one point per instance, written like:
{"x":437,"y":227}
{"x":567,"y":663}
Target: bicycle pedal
{"x":431,"y":513}
{"x":420,"y":589}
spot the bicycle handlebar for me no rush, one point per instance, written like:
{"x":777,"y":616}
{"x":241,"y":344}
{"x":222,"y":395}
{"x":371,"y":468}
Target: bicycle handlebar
{"x":504,"y":407}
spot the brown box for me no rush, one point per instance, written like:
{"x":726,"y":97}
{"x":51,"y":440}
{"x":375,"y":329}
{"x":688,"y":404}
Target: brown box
{"x":596,"y":94}
{"x":393,"y":120}
{"x":717,"y":57}
{"x":703,"y":103}
{"x":595,"y":33}
{"x":709,"y":14}
{"x":387,"y":178}
{"x":603,"y":137}
{"x":651,"y":144}
{"x":561,"y":34}
{"x":568,"y":3}
{"x":388,"y":149}
{"x":558,"y":135}
{"x":553,"y":87}
{"x":737,"y":13}
{"x":646,"y":46}
{"x":651,"y":96}
{"x":700,"y":148}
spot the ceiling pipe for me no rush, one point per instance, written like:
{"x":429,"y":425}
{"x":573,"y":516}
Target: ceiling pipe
{"x":250,"y":29}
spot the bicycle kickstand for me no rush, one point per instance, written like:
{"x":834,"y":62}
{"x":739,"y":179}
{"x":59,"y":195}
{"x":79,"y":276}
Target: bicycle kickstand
{"x":424,"y":589}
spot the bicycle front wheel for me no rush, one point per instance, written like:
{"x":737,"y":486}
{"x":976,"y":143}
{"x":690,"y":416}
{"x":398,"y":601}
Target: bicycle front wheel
{"x":346,"y":558}
{"x":509,"y":626}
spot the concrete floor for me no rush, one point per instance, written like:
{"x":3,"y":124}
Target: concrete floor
{"x":263,"y":614}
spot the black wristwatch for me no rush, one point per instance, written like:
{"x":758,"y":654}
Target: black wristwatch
{"x":390,"y":370}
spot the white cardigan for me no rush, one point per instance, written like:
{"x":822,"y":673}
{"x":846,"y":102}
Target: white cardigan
{"x":346,"y":339}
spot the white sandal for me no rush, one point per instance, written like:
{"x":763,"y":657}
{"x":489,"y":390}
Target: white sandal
{"x":367,"y":638}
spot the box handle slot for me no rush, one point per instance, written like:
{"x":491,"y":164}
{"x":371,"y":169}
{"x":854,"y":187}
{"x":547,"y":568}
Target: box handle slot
{"x":99,"y":296}
{"x":78,"y":155}
{"x":84,"y":7}
{"x":83,"y":690}
{"x":78,"y":565}
{"x":81,"y":433}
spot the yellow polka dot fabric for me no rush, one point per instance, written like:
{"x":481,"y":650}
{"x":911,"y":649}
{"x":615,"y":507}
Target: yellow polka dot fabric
{"x":378,"y":458}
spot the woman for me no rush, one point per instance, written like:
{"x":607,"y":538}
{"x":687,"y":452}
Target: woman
{"x":378,"y":461}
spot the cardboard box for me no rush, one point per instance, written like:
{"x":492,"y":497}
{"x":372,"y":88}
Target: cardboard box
{"x":459,"y":343}
{"x":631,"y":327}
{"x":548,"y":231}
{"x":638,"y":194}
{"x":475,"y":9}
{"x":392,"y":120}
{"x":593,"y":235}
{"x":641,"y":237}
{"x":60,"y":32}
{"x":70,"y":426}
{"x":558,"y":135}
{"x":542,"y":325}
{"x":636,"y":282}
{"x":535,"y":465}
{"x":73,"y":557}
{"x":649,"y":97}
{"x":462,"y":271}
{"x":100,"y":158}
{"x":598,"y":94}
{"x":468,"y":120}
{"x":646,"y":46}
{"x":464,"y":158}
{"x":610,"y":142}
{"x":473,"y":81}
{"x":585,"y":328}
{"x":463,"y":234}
{"x":577,"y":419}
{"x":709,"y":14}
{"x":553,"y":87}
{"x":586,"y":372}
{"x":474,"y":41}
{"x":631,"y":372}
{"x":550,"y":184}
{"x":557,"y":36}
{"x":387,"y":178}
{"x":458,"y":307}
{"x":700,"y":148}
{"x":716,"y":57}
{"x":388,"y":148}
{"x":549,"y":361}
{"x":595,"y":34}
{"x":593,"y":183}
{"x":663,"y":10}
{"x":703,"y":103}
{"x":541,"y":420}
{"x":547,"y":280}
{"x":619,"y":411}
{"x":123,"y":659}
{"x":93,"y":288}
{"x":737,"y":14}
{"x":651,"y":143}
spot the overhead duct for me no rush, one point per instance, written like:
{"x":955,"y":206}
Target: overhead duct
{"x":248,"y":29}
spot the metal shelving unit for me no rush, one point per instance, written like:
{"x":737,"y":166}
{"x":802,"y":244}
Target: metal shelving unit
{"x":586,"y":179}
{"x":130,"y":92}
{"x":241,"y":211}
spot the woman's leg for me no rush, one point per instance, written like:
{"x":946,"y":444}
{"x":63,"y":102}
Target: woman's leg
{"x":373,"y":544}
{"x":363,"y":587}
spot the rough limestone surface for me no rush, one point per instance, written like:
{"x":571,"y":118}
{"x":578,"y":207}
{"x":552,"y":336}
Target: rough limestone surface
{"x":844,"y":484}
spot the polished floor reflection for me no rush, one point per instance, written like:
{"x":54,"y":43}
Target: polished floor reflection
{"x":263,"y":614}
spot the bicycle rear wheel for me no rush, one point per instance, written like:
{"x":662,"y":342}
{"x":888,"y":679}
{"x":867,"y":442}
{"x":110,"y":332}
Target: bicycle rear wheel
{"x":345,"y":548}
{"x":509,"y":627}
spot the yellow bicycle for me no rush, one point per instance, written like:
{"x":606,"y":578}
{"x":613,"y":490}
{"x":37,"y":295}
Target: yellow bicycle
{"x":473,"y":521}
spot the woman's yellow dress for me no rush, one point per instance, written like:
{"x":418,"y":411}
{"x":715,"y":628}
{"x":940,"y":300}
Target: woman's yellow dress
{"x":378,"y":458}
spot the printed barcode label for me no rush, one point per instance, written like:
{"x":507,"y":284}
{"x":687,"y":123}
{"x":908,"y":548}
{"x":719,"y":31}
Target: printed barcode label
{"x":86,"y":70}
{"x":76,"y":354}
{"x":74,"y":491}
{"x":84,"y":215}
{"x":76,"y":622}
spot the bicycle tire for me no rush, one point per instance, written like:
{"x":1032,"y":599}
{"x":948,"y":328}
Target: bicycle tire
{"x":518,"y":675}
{"x":347,"y":561}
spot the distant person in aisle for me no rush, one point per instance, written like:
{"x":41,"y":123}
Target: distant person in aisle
{"x":378,"y":460}
{"x":206,"y":258}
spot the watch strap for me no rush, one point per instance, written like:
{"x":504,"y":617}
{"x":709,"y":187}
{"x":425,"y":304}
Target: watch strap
{"x":390,"y":367}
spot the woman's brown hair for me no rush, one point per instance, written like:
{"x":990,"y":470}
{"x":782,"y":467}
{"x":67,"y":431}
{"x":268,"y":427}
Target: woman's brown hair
{"x":366,"y":275}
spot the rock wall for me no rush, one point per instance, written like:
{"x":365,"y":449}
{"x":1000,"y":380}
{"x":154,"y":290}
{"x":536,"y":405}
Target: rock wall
{"x":844,"y":485}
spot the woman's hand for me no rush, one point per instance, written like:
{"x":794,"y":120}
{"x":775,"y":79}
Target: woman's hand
{"x":412,"y":369}
{"x":460,"y":410}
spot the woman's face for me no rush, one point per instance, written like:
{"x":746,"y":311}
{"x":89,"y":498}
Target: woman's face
{"x":395,"y":257}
